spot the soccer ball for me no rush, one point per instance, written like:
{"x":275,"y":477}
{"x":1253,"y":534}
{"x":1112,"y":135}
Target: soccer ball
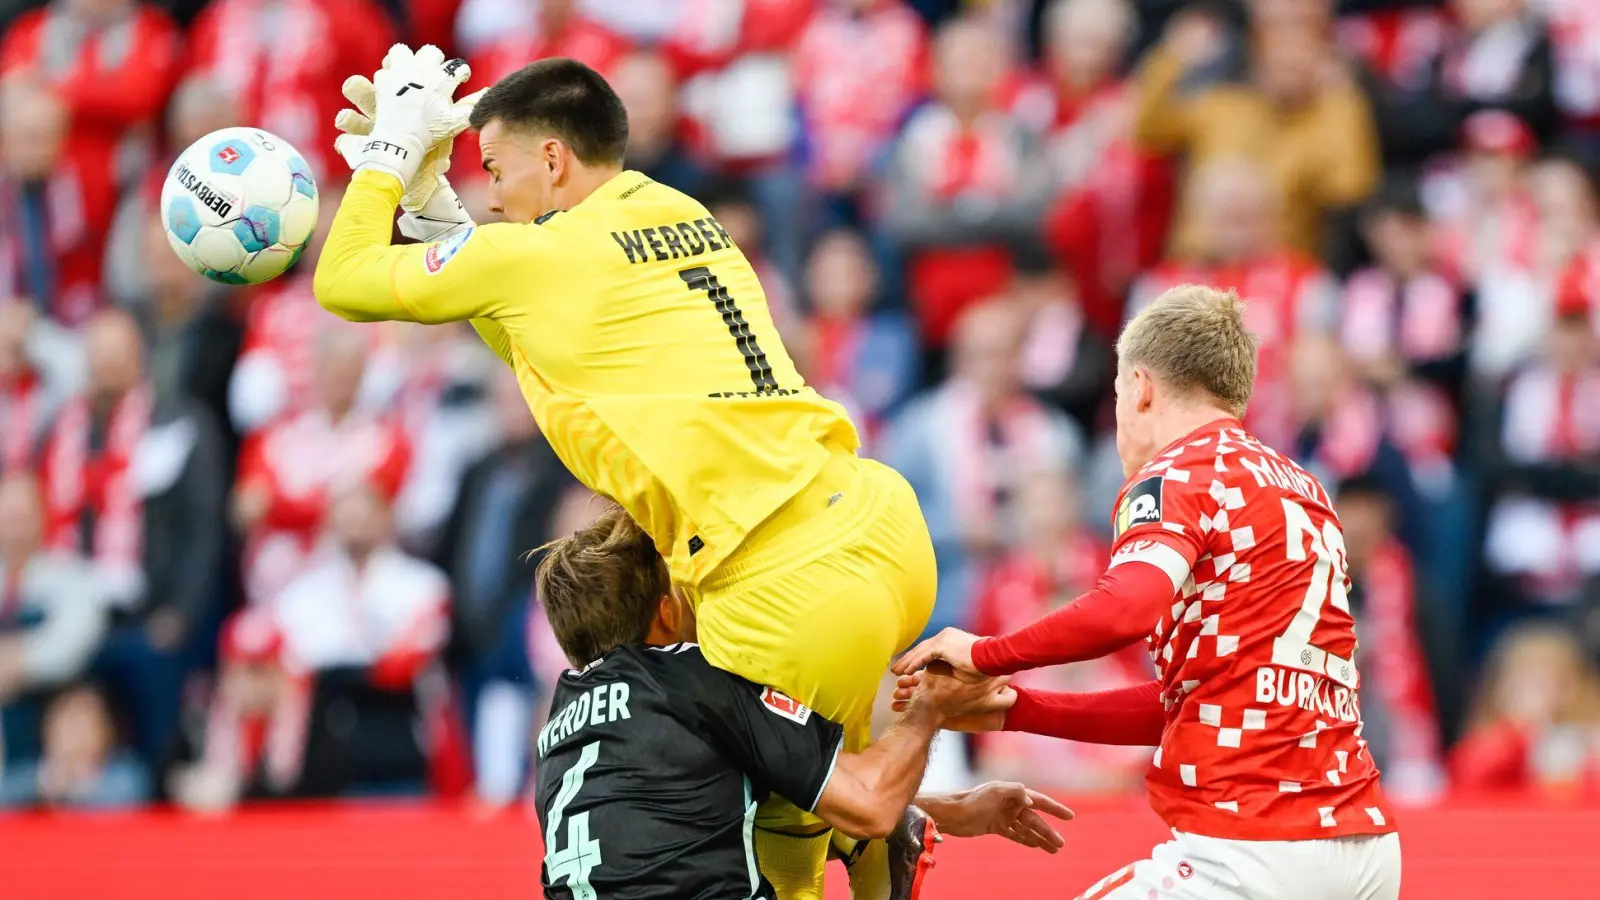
{"x":239,"y":206}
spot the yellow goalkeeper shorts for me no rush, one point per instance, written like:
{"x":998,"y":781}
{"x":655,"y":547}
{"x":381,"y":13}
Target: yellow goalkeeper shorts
{"x":821,"y":596}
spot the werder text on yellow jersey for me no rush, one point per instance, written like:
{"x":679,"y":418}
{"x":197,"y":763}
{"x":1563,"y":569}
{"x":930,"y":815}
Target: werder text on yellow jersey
{"x":640,"y":337}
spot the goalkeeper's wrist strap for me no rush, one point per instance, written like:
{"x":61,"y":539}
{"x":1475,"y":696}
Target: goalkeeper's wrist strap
{"x":441,"y":217}
{"x":419,"y":227}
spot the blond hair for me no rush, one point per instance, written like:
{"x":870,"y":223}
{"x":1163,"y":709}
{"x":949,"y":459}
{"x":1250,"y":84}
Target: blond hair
{"x":601,"y":586}
{"x":1194,"y":339}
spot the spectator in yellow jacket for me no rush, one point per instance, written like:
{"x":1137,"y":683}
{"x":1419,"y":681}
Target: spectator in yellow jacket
{"x":1297,"y":112}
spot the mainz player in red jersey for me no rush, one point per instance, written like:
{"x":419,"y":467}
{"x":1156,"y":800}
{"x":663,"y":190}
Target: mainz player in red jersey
{"x":1229,"y":564}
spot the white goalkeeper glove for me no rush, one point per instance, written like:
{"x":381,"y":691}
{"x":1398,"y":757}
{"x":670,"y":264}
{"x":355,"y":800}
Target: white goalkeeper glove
{"x":411,"y":112}
{"x":354,"y":124}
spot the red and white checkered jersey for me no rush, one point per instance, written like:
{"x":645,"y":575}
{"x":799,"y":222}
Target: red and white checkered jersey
{"x":1255,"y":656}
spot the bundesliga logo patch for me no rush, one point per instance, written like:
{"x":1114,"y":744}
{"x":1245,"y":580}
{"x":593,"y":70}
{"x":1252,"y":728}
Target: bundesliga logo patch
{"x":785,"y":705}
{"x":434,"y":258}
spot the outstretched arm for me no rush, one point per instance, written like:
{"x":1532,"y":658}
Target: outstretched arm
{"x":1123,"y":606}
{"x":364,"y":278}
{"x":1004,"y":808}
{"x":1133,"y":716}
{"x":1128,"y":716}
{"x":868,"y":791}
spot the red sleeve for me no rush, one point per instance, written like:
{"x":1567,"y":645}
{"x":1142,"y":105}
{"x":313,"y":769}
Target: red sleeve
{"x":1122,"y":608}
{"x":1131,"y":716}
{"x":1157,"y":523}
{"x":136,"y":91}
{"x":283,"y":511}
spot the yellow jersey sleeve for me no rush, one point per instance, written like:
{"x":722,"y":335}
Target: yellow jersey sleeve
{"x":494,"y":334}
{"x":474,"y":275}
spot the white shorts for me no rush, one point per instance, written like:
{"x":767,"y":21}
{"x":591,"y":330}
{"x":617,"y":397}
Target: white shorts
{"x":1193,"y":867}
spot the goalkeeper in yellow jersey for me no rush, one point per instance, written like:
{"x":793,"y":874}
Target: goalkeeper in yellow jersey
{"x":643,"y":344}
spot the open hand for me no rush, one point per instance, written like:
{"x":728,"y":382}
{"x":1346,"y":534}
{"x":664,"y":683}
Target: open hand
{"x":355,"y":124}
{"x":411,"y":112}
{"x":1005,"y":808}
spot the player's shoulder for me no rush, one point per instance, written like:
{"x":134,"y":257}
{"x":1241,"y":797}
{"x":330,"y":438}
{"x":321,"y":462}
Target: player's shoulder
{"x":677,"y":665}
{"x":1195,"y":476}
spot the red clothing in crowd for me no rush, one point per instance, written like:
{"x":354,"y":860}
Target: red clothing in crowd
{"x":110,"y":80}
{"x":1109,"y":220}
{"x":300,"y":462}
{"x":1578,"y":286}
{"x":1476,"y":239}
{"x":1420,"y":322}
{"x":1575,"y":37}
{"x":1508,"y":756}
{"x":1550,"y":417}
{"x":1392,"y":655}
{"x":582,"y":39}
{"x":1287,"y":293}
{"x":857,"y":76}
{"x":431,"y":22}
{"x":947,"y":162}
{"x":276,"y":366}
{"x":1399,"y":44}
{"x":100,"y":484}
{"x":22,"y":421}
{"x":579,"y":38}
{"x":712,"y":33}
{"x":278,"y":63}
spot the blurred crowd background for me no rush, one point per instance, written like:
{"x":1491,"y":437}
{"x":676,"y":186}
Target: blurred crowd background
{"x":249,"y":551}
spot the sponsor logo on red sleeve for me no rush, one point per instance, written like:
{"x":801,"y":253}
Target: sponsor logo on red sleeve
{"x":785,"y":705}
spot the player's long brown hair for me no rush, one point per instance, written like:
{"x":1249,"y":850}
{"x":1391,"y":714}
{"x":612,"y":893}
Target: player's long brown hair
{"x":601,"y":586}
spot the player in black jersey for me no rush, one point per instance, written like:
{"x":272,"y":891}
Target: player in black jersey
{"x":653,"y":762}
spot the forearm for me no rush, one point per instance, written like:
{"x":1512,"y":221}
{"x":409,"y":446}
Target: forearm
{"x":870,"y":789}
{"x":355,"y":274}
{"x":1128,"y":716}
{"x":1121,"y":609}
{"x":1160,"y":117}
{"x":943,"y":807}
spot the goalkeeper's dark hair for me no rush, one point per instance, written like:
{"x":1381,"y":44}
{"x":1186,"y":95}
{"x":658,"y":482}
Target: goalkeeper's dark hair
{"x":601,"y":586}
{"x":561,"y":98}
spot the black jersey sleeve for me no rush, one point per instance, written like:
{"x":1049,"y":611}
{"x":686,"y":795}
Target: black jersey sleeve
{"x":781,"y":744}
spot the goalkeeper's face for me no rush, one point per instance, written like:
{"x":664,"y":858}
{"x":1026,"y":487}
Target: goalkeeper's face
{"x":527,"y":172}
